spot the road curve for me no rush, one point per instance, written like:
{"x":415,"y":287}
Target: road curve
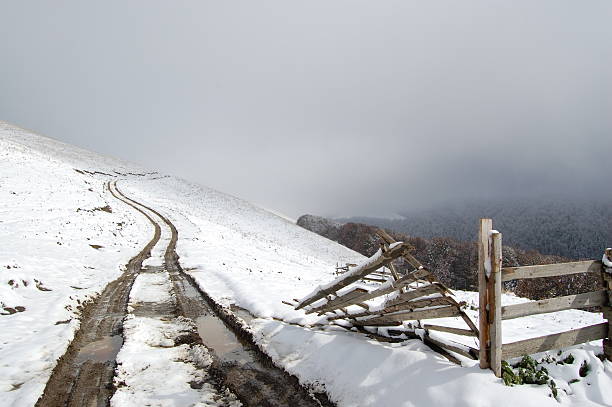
{"x":83,"y":378}
{"x":255,"y":380}
{"x":80,"y":380}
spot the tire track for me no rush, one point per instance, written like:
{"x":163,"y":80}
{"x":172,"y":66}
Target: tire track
{"x":246,"y":371}
{"x":83,"y":376}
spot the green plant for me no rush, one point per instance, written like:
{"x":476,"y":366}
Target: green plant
{"x":528,"y":372}
{"x":569,"y":359}
{"x":530,"y":376}
{"x":585,"y":368}
{"x":508,"y":376}
{"x":553,"y":388}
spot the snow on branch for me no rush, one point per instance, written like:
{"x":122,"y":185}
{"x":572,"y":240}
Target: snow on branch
{"x":607,"y":260}
{"x":373,"y":263}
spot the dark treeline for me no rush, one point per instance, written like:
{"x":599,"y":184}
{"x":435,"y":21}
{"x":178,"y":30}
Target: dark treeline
{"x":453,"y":261}
{"x":572,"y":229}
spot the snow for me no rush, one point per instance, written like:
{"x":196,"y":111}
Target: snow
{"x":361,"y":372}
{"x":247,"y":257}
{"x":607,"y":262}
{"x":356,"y":271}
{"x":151,"y":287}
{"x":50,"y":215}
{"x":240,"y":255}
{"x":152,"y":369}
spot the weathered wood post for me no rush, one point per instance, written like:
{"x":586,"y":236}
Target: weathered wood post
{"x":607,"y":310}
{"x":494,"y":286}
{"x":484,"y":264}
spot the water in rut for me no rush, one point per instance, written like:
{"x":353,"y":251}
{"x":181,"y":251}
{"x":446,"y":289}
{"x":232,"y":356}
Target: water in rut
{"x":84,"y":375}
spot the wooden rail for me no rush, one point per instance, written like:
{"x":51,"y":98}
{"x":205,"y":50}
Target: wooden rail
{"x":556,"y":341}
{"x":338,"y":302}
{"x":345,"y":300}
{"x":551,"y":270}
{"x":418,"y":295}
{"x":374,"y":263}
{"x":412,"y":305}
{"x":585,"y":300}
{"x":448,"y":329}
{"x":441,"y":312}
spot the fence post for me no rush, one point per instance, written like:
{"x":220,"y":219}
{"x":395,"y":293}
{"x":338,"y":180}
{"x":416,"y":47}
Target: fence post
{"x":607,"y":310}
{"x":484,"y":264}
{"x":494,"y":289}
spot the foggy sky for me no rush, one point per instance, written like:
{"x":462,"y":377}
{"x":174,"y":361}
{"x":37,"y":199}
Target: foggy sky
{"x":328,"y":107}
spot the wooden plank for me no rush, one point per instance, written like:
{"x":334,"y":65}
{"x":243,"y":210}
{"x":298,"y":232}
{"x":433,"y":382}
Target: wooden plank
{"x":393,"y":270}
{"x":337,"y":302}
{"x":484,"y":262}
{"x":591,"y":299}
{"x":374,"y":280}
{"x":380,"y":274}
{"x":427,"y":341}
{"x":424,"y":303}
{"x":412,"y":260}
{"x":383,"y":290}
{"x":385,"y":248}
{"x":385,"y":236}
{"x":416,"y":304}
{"x":390,"y":240}
{"x":416,"y":293}
{"x":555,"y":341}
{"x":415,"y":263}
{"x":372,"y":264}
{"x":441,"y":312}
{"x":494,"y":291}
{"x":607,"y":309}
{"x":449,"y":329}
{"x":459,"y":348}
{"x":551,"y":270}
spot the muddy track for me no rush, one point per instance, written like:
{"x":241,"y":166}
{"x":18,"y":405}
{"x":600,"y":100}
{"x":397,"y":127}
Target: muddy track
{"x":82,"y":377}
{"x":239,"y":364}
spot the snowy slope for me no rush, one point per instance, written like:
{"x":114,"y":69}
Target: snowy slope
{"x":241,"y":255}
{"x":49,"y":216}
{"x":250,"y":258}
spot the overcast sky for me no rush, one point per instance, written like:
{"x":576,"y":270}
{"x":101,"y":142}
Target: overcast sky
{"x":328,"y":107}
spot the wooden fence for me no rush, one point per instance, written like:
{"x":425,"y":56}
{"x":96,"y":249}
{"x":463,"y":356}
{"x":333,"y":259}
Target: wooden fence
{"x":491,"y":274}
{"x":418,"y":295}
{"x":415,"y":296}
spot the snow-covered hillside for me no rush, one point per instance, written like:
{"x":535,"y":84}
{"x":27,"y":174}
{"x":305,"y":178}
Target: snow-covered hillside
{"x":64,"y":237}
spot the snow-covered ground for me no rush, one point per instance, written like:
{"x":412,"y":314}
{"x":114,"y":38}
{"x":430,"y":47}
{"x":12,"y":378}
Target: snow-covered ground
{"x":154,"y":368}
{"x":63,"y":238}
{"x":244,"y":256}
{"x":240,"y":255}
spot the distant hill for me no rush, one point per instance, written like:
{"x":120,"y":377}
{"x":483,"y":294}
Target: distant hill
{"x":453,"y":261}
{"x":570,"y":229}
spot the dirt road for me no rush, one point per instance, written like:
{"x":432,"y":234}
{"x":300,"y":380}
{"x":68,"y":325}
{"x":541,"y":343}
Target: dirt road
{"x":84,"y":375}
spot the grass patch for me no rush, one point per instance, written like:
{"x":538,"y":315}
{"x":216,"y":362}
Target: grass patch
{"x":527,"y":371}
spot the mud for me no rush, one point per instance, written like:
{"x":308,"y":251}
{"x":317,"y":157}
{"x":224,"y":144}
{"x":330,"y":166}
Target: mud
{"x":239,"y":364}
{"x":103,"y":350}
{"x":84,"y":374}
{"x":82,"y":377}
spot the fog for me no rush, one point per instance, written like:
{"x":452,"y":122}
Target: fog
{"x":331,"y":107}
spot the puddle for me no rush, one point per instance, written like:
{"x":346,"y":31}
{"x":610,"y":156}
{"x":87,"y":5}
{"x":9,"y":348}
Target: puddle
{"x":103,"y":350}
{"x":242,"y":367}
{"x":243,"y":314}
{"x":221,"y":340}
